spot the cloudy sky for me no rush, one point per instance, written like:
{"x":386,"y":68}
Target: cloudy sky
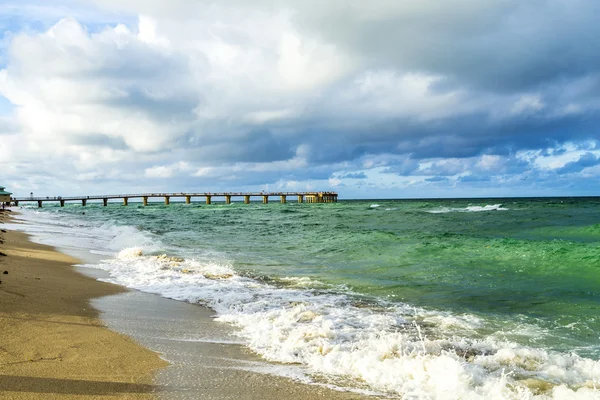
{"x":380,"y":98}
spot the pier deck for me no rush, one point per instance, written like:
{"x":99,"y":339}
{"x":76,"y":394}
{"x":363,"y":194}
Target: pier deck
{"x":308,"y":197}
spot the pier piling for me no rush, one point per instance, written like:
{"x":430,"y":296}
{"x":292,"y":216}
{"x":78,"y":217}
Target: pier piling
{"x":125,"y":201}
{"x":167,"y":200}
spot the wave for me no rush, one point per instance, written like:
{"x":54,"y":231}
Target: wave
{"x":389,"y":347}
{"x":444,"y":210}
{"x":72,"y":231}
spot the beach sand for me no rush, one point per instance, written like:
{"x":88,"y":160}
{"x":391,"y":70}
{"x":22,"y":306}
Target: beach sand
{"x":52,"y":343}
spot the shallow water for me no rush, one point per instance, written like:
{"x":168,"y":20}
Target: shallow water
{"x":421,"y":298}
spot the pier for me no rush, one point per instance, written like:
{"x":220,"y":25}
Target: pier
{"x":301,"y":197}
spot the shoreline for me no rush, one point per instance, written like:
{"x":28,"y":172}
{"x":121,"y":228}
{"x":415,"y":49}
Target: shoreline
{"x":53,"y":341}
{"x":209,"y":368}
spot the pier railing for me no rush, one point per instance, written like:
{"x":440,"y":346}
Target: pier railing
{"x":309,"y":197}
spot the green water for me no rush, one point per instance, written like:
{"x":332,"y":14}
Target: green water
{"x":534,"y":263}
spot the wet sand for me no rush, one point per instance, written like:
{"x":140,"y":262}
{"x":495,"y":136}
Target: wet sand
{"x":52,"y":342}
{"x":206,"y":359}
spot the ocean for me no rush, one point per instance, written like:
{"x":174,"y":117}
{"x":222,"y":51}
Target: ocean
{"x":461,"y":298}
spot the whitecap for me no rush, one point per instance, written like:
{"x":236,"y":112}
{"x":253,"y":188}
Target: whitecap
{"x":490,"y":207}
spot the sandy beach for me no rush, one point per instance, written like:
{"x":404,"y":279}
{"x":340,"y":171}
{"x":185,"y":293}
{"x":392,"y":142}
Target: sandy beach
{"x":53,"y":345}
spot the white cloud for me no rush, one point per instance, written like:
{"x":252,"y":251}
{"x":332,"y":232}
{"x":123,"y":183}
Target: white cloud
{"x":528,"y":103}
{"x":167,"y":171}
{"x":69,"y":84}
{"x":335,"y":182}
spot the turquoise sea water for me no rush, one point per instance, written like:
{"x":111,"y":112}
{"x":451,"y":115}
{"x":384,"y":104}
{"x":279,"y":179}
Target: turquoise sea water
{"x":477,"y":276}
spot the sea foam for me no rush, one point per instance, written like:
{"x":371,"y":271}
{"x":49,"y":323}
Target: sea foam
{"x":390,"y":348}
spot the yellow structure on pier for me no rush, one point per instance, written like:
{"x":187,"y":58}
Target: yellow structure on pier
{"x":321,"y":197}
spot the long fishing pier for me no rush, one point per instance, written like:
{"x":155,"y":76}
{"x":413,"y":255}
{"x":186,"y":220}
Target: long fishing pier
{"x":308,"y":197}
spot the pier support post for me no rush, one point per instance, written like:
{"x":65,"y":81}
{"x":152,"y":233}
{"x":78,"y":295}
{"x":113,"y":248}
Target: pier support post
{"x":16,"y":203}
{"x":283,"y":199}
{"x":62,"y":203}
{"x":265,"y":199}
{"x":105,"y":202}
{"x":83,"y":202}
{"x":227,"y":199}
{"x":39,"y":203}
{"x":246,"y":199}
{"x":208,"y":199}
{"x":145,"y":200}
{"x":188,"y":199}
{"x":125,"y":201}
{"x":167,"y":200}
{"x":300,"y":198}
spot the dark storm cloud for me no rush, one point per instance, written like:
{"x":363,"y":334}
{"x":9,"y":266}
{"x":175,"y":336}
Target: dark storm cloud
{"x":463,"y":137}
{"x":251,"y":146}
{"x":476,"y":135}
{"x":505,"y":45}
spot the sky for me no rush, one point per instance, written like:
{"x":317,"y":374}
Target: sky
{"x":372,"y":99}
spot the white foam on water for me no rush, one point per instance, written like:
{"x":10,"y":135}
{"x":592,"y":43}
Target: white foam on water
{"x":486,"y":208}
{"x":390,"y":348}
{"x":374,"y":206}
